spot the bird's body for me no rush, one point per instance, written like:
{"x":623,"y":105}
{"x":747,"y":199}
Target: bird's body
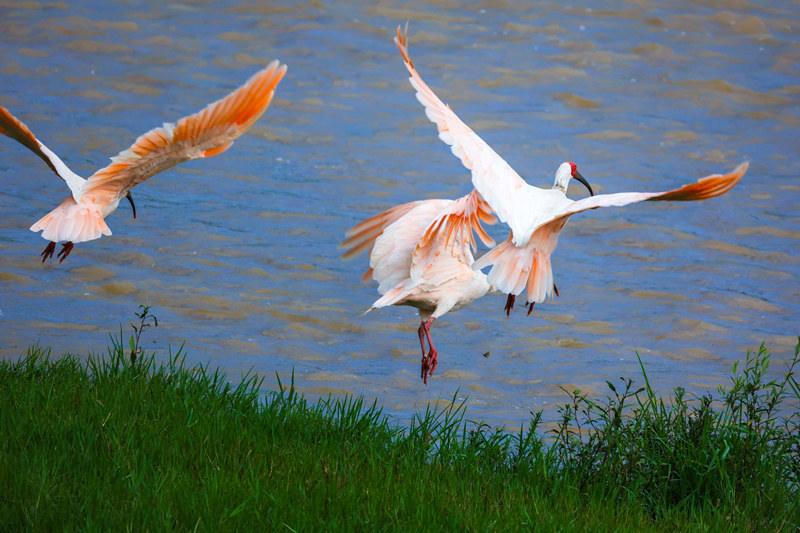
{"x":81,"y":216}
{"x":420,"y":255}
{"x":535,"y":216}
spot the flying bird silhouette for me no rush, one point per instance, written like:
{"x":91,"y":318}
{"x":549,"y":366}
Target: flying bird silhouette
{"x":534,"y":215}
{"x":420,"y":255}
{"x":211,"y":131}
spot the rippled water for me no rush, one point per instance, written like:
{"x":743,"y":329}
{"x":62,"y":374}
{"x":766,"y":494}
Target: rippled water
{"x":237,"y":253}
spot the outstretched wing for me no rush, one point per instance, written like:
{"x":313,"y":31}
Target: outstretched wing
{"x":494,"y":179}
{"x":390,"y":259}
{"x":12,"y":127}
{"x":449,"y":240}
{"x":527,"y":267}
{"x":362,"y":236}
{"x":702,"y":189}
{"x":206,"y":133}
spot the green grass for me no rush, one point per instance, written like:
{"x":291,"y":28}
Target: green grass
{"x":110,"y":445}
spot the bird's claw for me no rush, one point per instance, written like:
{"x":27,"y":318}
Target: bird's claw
{"x":429,"y":362}
{"x":509,"y":304}
{"x":48,"y":251}
{"x":65,"y":250}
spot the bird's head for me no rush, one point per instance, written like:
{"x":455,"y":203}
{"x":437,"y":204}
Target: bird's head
{"x":566,"y":171}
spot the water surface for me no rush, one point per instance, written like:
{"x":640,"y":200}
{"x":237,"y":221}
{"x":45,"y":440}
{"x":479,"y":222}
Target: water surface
{"x":237,"y":253}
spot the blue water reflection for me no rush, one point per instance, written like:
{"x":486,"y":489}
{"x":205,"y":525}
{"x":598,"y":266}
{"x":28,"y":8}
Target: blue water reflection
{"x":237,"y":253}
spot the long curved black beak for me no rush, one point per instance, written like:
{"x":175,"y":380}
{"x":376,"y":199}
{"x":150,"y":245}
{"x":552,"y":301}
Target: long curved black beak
{"x":576,"y":175}
{"x":133,"y":206}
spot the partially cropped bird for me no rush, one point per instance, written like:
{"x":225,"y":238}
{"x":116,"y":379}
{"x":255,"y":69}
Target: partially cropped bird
{"x":420,"y":255}
{"x":535,"y":216}
{"x":211,"y":131}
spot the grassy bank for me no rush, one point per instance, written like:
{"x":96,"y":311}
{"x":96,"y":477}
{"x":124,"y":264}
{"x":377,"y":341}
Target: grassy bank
{"x":109,"y":445}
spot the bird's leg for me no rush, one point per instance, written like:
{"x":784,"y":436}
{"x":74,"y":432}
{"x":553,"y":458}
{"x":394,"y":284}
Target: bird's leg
{"x":65,"y":250}
{"x":530,"y":308}
{"x":556,"y":289}
{"x":509,"y":304}
{"x":421,"y":332}
{"x":133,"y":206}
{"x":48,"y":251}
{"x":432,"y":353}
{"x":423,"y":373}
{"x":429,"y":359}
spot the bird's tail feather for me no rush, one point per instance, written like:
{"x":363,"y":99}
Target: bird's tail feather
{"x":391,"y":297}
{"x":517,"y":269}
{"x":72,"y":222}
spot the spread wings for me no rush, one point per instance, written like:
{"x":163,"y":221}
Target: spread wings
{"x":208,"y":132}
{"x":403,"y":242}
{"x":702,"y":189}
{"x":494,"y":179}
{"x":12,"y":127}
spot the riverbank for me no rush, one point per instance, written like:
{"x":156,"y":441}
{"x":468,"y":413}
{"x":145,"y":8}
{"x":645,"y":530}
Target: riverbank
{"x":109,"y":444}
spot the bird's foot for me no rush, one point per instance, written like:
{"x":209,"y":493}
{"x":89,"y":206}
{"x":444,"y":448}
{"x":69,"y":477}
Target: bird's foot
{"x":556,"y":289}
{"x":48,"y":251}
{"x":530,"y":307}
{"x":509,"y":304}
{"x":65,"y":250}
{"x":429,"y":363}
{"x":433,"y":360}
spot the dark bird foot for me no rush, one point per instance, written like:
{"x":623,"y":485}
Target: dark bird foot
{"x":509,"y":304}
{"x":530,"y":308}
{"x":48,"y":251}
{"x":65,"y":250}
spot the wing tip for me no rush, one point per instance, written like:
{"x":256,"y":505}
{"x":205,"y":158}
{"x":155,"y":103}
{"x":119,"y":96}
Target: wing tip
{"x":401,"y":40}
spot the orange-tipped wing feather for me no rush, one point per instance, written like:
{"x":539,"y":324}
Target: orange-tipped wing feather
{"x":466,"y":213}
{"x":448,"y":227}
{"x":528,"y":267}
{"x":702,"y":189}
{"x":492,"y":176}
{"x":14,"y":128}
{"x":361,"y":237}
{"x":208,"y":132}
{"x":449,"y":239}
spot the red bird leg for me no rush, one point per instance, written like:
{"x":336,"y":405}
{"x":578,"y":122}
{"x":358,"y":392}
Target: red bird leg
{"x":530,"y":308}
{"x":65,"y":250}
{"x":556,"y":289}
{"x":509,"y":304}
{"x":421,"y":332}
{"x":48,"y":251}
{"x":428,"y":359}
{"x":423,"y":373}
{"x":433,"y":359}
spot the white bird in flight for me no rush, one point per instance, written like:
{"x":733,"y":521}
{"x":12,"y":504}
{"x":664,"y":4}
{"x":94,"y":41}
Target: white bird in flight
{"x":535,"y":216}
{"x":420,"y":254}
{"x":211,"y":131}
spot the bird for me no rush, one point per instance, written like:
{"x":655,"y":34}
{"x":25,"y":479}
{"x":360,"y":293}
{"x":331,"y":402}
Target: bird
{"x":420,"y":253}
{"x":210,"y":131}
{"x":534,"y":215}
